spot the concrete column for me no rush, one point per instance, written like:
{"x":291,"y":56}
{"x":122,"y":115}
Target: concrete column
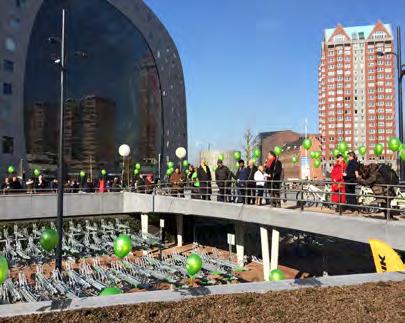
{"x":264,"y":237}
{"x":275,"y":242}
{"x":240,"y":242}
{"x":144,"y":224}
{"x":179,"y":221}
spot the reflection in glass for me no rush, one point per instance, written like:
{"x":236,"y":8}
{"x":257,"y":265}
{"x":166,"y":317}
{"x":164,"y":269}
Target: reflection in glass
{"x":112,"y":97}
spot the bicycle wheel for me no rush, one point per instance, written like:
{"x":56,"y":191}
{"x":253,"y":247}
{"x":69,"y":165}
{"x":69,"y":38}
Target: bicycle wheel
{"x":307,"y":199}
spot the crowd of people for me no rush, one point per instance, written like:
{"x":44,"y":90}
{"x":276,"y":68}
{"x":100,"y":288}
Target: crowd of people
{"x":381,"y":178}
{"x":250,"y":184}
{"x":15,"y":184}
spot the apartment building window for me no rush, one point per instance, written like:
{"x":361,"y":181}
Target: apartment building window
{"x":9,"y":44}
{"x":371,"y":77}
{"x":381,"y":131}
{"x":8,"y":65}
{"x":7,"y":145}
{"x":7,"y":88}
{"x":371,"y":57}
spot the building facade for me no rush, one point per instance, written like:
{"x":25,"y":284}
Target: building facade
{"x":357,"y":90}
{"x":291,"y":143}
{"x":128,"y":89}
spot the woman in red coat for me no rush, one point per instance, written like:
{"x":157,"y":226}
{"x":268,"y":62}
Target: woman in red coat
{"x":338,"y":187}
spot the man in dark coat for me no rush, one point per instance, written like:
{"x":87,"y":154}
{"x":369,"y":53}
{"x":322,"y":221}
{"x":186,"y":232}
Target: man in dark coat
{"x":350,"y":180}
{"x":251,"y":184}
{"x":274,"y":169}
{"x":371,"y":175}
{"x":222,"y":177}
{"x":204,"y":177}
{"x":241,"y":176}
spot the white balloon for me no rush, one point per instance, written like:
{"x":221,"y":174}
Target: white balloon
{"x":181,"y":152}
{"x":124,"y":150}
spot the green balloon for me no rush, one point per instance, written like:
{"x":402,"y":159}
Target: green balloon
{"x":307,"y":143}
{"x":236,"y":155}
{"x":110,"y":291}
{"x":138,"y":166}
{"x":276,"y":275}
{"x":169,"y":171}
{"x":312,"y":154}
{"x":170,"y":164}
{"x":221,"y":157}
{"x":49,"y":239}
{"x":122,"y":246}
{"x":294,"y":159}
{"x":278,"y":150}
{"x":136,"y":172}
{"x":11,"y":169}
{"x":336,"y":152}
{"x":317,"y":154}
{"x":342,"y":146}
{"x":103,"y":172}
{"x":37,"y":172}
{"x":362,"y":150}
{"x":378,"y":150}
{"x":394,"y":144}
{"x":402,"y":154}
{"x":193,"y":264}
{"x":317,"y":163}
{"x":82,"y":173}
{"x":185,"y":163}
{"x":237,"y":164}
{"x":4,"y":270}
{"x":257,"y":153}
{"x":254,"y":160}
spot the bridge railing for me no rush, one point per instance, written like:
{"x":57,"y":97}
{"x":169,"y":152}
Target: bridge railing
{"x":380,"y":200}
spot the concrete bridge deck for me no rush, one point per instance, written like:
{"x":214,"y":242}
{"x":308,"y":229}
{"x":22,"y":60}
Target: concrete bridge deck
{"x":360,"y":229}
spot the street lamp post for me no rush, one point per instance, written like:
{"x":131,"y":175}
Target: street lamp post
{"x":59,"y":220}
{"x":400,"y":75}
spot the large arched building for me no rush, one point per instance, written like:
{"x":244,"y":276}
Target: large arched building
{"x":128,"y":89}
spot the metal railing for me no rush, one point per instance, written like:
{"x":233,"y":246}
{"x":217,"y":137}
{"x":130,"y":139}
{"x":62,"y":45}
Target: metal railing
{"x":340,"y":197}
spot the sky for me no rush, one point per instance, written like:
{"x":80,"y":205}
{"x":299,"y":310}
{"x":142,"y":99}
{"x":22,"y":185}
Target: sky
{"x":253,"y":63}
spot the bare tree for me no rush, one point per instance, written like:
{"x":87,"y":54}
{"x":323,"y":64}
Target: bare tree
{"x":250,"y":142}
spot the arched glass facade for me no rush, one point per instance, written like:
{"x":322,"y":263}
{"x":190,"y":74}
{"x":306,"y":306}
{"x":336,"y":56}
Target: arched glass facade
{"x":112,"y":97}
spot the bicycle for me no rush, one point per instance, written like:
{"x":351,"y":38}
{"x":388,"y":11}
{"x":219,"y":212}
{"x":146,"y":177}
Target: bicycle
{"x":312,"y":195}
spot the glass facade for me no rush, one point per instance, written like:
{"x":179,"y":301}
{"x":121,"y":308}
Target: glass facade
{"x":113,"y":95}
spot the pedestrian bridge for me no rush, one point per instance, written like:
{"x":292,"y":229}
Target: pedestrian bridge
{"x":361,"y":229}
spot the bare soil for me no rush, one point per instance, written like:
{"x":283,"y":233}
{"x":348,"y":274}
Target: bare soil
{"x":379,"y":302}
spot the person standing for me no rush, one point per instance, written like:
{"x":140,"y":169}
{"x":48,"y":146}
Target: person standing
{"x":338,"y":187}
{"x":204,"y":177}
{"x":260,"y":179}
{"x":177,"y":183}
{"x":350,"y":179}
{"x":222,"y":178}
{"x":241,"y":177}
{"x":194,"y":183}
{"x":274,"y":169}
{"x":251,"y":184}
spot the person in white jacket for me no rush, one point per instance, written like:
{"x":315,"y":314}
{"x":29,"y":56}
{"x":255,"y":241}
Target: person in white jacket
{"x":260,"y":179}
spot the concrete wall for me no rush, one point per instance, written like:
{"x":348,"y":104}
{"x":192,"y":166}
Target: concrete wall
{"x":345,"y":227}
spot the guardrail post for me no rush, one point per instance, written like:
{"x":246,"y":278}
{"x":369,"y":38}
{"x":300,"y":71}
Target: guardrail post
{"x":275,"y":243}
{"x":264,"y":237}
{"x":240,"y":243}
{"x":340,"y":200}
{"x":302,"y":197}
{"x":144,"y":224}
{"x":179,"y":222}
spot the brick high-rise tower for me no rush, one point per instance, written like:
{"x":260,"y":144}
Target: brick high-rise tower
{"x":357,"y":89}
